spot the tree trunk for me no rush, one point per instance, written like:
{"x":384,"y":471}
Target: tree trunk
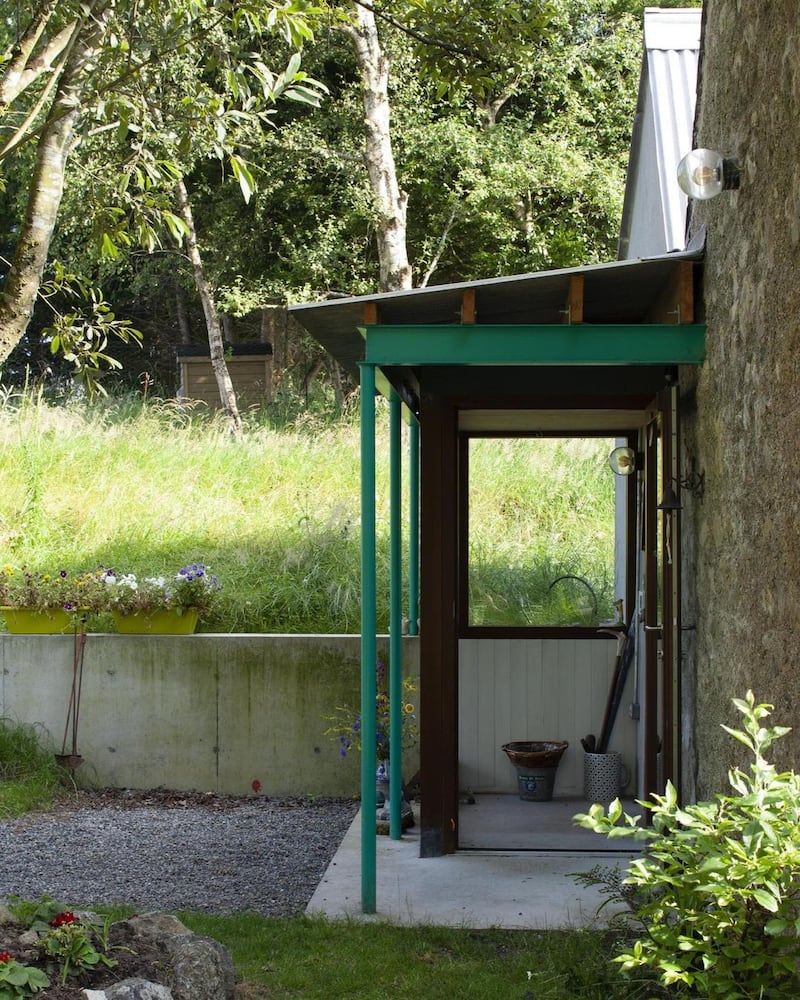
{"x":226,"y":394}
{"x":274,"y":323}
{"x":18,"y":73}
{"x":182,"y":315}
{"x":310,"y":375}
{"x":395,"y":270}
{"x":47,"y":186}
{"x":335,"y":374}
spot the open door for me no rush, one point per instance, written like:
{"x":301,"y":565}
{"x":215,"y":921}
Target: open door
{"x":661,"y":599}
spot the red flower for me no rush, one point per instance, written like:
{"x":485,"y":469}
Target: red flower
{"x":67,"y":917}
{"x":5,"y":956}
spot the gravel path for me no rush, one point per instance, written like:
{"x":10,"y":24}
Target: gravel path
{"x":170,"y":851}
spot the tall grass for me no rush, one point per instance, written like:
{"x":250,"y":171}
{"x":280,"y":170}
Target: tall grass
{"x":541,"y":515}
{"x":147,"y":487}
{"x":30,"y":778}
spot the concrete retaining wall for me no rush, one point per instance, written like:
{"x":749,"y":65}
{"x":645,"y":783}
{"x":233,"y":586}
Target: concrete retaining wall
{"x":204,"y":712}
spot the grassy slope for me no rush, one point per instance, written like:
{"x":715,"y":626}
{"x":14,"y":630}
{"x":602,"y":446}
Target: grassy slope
{"x":276,"y":515}
{"x":147,"y":490}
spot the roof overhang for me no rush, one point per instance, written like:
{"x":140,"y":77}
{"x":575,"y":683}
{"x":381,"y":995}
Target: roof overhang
{"x":595,"y":314}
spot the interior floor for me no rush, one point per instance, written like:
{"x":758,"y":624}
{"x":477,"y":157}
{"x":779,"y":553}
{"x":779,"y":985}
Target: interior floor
{"x":505,"y":822}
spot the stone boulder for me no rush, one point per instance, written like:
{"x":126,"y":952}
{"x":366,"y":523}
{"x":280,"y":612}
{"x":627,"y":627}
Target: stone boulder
{"x":191,"y":967}
{"x":131,"y":989}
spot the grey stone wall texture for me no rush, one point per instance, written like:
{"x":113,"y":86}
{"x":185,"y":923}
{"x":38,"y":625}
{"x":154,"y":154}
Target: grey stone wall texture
{"x":741,"y":555}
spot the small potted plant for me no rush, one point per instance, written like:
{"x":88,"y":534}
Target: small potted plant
{"x":161,"y":604}
{"x":346,"y":731}
{"x":47,"y":602}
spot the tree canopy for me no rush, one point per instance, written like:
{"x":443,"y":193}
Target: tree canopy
{"x":510,"y":126}
{"x":125,"y":98}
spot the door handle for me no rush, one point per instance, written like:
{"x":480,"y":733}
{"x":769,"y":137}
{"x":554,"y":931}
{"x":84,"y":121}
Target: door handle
{"x":653,"y":628}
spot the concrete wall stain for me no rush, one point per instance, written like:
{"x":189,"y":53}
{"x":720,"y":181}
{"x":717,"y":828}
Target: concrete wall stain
{"x":220,"y":713}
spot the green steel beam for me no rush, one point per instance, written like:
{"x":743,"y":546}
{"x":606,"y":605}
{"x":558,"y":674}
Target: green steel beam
{"x":413,"y":528}
{"x":395,"y":620}
{"x":543,"y":344}
{"x":368,"y":641}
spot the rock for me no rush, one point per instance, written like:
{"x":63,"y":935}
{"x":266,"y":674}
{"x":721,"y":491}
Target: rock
{"x":199,"y":968}
{"x":191,"y":967}
{"x":7,"y":918}
{"x":152,"y":926}
{"x":130,"y":989}
{"x":29,"y":939}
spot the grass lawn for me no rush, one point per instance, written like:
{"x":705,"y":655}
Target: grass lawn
{"x":335,"y":960}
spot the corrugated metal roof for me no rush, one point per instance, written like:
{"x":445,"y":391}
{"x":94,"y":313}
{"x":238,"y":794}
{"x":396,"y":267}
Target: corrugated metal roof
{"x":662,"y":133}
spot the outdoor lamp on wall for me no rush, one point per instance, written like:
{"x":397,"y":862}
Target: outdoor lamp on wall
{"x":622,"y":461}
{"x":704,"y":173}
{"x":694,"y":482}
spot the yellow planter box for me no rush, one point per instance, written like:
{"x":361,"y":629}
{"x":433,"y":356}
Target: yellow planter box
{"x":26,"y":621}
{"x":167,"y":622}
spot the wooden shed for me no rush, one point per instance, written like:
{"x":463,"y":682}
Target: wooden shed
{"x":249,"y":365}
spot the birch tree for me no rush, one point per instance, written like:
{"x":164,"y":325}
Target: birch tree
{"x":63,"y":64}
{"x":390,"y":200}
{"x":215,"y":342}
{"x":474,"y":45}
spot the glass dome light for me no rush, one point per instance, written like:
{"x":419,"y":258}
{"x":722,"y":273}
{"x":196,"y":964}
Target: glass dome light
{"x":622,"y":461}
{"x":704,"y":173}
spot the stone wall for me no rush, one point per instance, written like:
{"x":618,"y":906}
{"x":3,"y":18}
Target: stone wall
{"x":218,"y":713}
{"x":742,"y":409}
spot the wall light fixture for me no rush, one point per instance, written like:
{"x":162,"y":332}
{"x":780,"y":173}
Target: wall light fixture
{"x":704,"y":173}
{"x":694,"y":482}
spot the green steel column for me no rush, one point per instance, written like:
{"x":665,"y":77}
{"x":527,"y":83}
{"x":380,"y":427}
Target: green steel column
{"x":368,"y":644}
{"x":395,"y":621}
{"x":413,"y":529}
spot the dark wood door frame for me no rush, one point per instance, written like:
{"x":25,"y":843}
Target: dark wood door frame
{"x":650,"y":611}
{"x":662,"y":655}
{"x":438,"y":641}
{"x":439,"y":597}
{"x":670,"y":593}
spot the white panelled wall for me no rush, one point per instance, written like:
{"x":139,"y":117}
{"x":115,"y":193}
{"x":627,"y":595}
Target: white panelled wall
{"x":532,"y":690}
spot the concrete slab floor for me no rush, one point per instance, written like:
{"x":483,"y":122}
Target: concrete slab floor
{"x":480,"y":889}
{"x":506,"y":822}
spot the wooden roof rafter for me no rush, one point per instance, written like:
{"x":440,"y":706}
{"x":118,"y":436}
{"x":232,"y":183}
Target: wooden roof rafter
{"x":651,"y":292}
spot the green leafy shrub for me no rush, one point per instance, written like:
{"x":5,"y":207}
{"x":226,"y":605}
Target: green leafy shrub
{"x":76,"y":943}
{"x":18,"y":980}
{"x":716,"y":893}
